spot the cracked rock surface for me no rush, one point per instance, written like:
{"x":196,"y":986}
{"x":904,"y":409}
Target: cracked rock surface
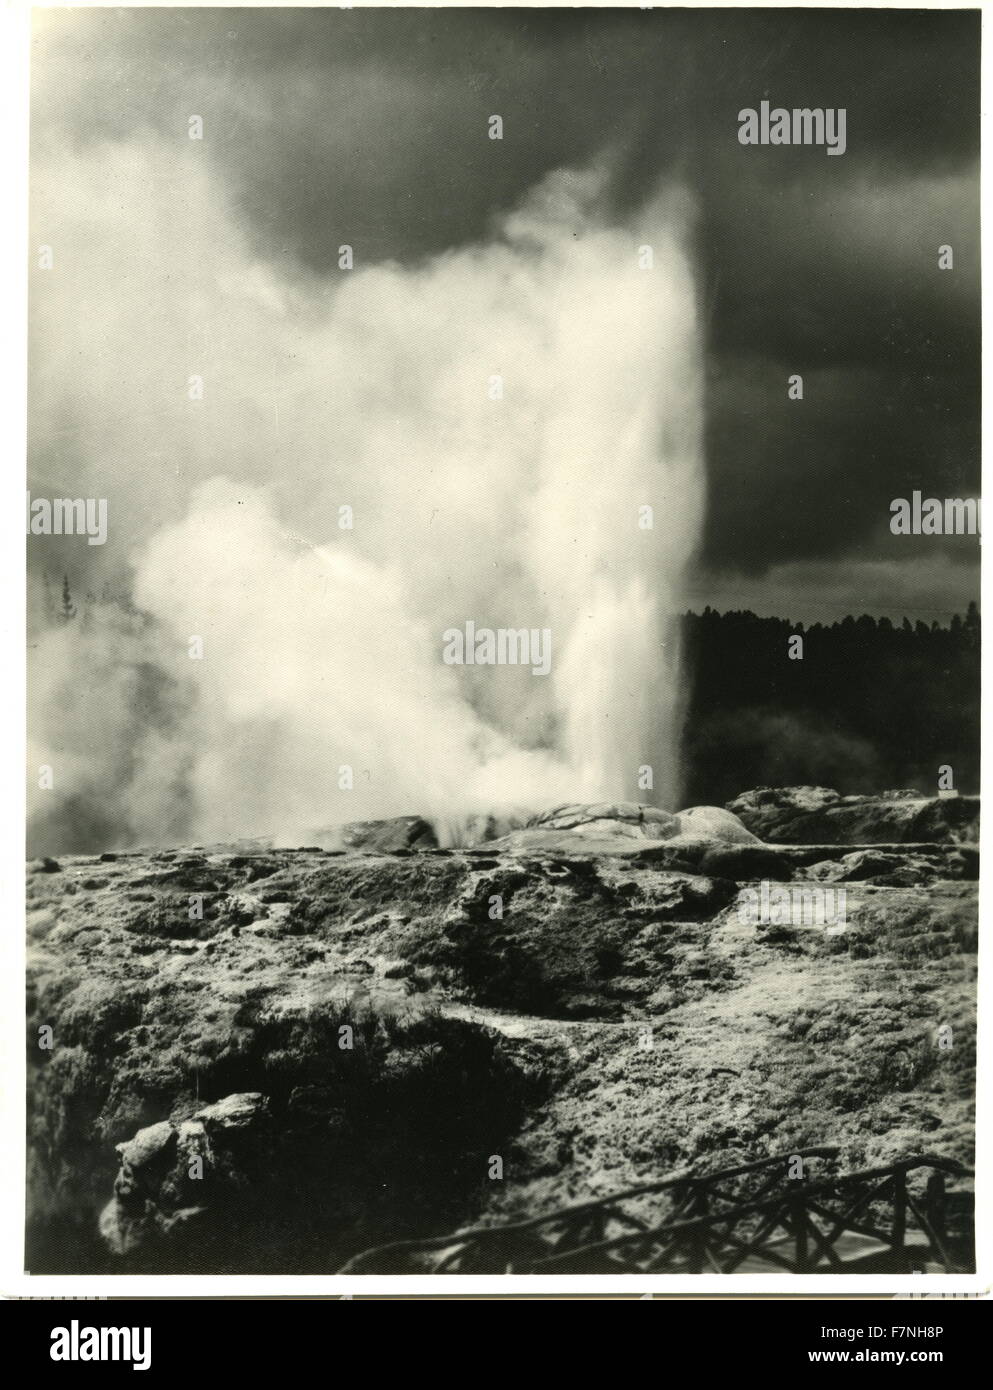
{"x":328,"y":1052}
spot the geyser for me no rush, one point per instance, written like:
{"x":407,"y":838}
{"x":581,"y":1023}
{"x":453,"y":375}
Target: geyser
{"x":568,"y":499}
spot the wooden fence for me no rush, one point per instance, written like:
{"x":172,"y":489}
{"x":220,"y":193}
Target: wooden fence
{"x":787,"y":1213}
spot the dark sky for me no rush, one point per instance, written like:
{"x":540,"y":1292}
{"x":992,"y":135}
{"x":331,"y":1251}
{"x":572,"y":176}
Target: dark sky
{"x":362,"y":125}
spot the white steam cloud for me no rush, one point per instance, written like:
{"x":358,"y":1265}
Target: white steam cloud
{"x":322,"y":647}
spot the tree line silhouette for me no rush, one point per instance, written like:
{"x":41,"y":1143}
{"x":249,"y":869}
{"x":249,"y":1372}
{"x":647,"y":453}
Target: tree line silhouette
{"x":871,"y":705}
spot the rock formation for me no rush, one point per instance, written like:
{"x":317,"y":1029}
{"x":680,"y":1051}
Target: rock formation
{"x":268,"y":1059}
{"x":819,"y":815}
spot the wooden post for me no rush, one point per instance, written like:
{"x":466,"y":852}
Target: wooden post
{"x":899,"y":1209}
{"x":798,"y":1215}
{"x":935,"y":1205}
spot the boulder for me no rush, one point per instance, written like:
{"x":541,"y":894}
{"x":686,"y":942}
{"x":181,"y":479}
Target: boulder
{"x":44,"y":866}
{"x":390,"y":836}
{"x":715,"y":824}
{"x":233,"y":1112}
{"x":172,"y":1173}
{"x":147,"y":1145}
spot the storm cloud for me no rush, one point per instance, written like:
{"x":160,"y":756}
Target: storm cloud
{"x":368,"y":127}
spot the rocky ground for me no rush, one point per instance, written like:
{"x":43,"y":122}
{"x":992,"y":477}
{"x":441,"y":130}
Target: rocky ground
{"x":259,"y":1059}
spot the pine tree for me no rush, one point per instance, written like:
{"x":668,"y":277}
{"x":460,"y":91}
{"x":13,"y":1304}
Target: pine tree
{"x":971,"y":624}
{"x":68,"y":607}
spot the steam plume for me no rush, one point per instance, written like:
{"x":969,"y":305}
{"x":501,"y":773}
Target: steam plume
{"x":322,"y":646}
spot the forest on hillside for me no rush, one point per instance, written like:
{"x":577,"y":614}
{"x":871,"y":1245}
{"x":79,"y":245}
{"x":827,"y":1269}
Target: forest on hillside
{"x":870,"y":705}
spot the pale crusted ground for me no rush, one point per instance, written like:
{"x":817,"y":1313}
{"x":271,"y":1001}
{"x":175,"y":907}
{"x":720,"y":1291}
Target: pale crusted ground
{"x":829,"y":1039}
